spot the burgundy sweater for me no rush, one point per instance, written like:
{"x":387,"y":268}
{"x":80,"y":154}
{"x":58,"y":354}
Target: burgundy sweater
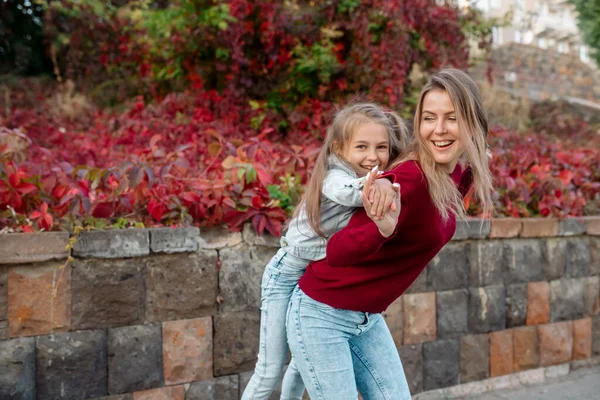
{"x":365,"y":271}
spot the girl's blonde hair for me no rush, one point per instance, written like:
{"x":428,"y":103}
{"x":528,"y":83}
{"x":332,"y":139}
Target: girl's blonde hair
{"x":473,"y":130}
{"x":339,"y":134}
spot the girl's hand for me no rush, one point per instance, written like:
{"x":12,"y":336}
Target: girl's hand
{"x":388,"y":223}
{"x":381,"y":194}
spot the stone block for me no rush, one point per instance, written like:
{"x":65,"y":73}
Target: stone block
{"x":516,"y":304}
{"x":582,"y":339}
{"x":240,"y":276}
{"x":555,"y":258}
{"x":125,"y":396}
{"x":441,"y":366}
{"x":419,"y":317}
{"x":39,"y":299}
{"x":227,"y":387}
{"x":3,"y":303}
{"x":22,"y":248}
{"x":526,"y":353}
{"x":501,"y":353}
{"x":451,"y":312}
{"x":108,"y":293}
{"x":394,"y":317}
{"x":591,"y":295}
{"x":252,"y":238}
{"x":592,"y":225}
{"x":204,"y":390}
{"x":474,"y":358}
{"x":187,"y":350}
{"x":163,"y":393}
{"x":566,"y":299}
{"x":181,"y":286}
{"x":17,"y":363}
{"x":571,"y":227}
{"x":487,"y":309}
{"x":578,"y":258}
{"x":219,"y":237}
{"x":118,"y":243}
{"x":538,"y":303}
{"x":235,"y":342}
{"x":71,"y":365}
{"x":135,"y":359}
{"x":527,"y":262}
{"x":505,"y":228}
{"x":411,"y":356}
{"x":178,"y":240}
{"x":489,"y":262}
{"x":420,"y":284}
{"x":596,"y":336}
{"x":449,"y":269}
{"x":472,"y":229}
{"x":556,"y":343}
{"x":594,"y":243}
{"x":539,"y":227}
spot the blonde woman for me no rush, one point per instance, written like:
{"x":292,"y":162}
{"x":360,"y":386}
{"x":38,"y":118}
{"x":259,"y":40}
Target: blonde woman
{"x":361,"y":137}
{"x":336,"y":333}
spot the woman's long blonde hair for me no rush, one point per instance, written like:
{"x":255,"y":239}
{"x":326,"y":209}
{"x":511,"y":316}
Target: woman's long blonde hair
{"x":473,"y":130}
{"x":339,"y":134}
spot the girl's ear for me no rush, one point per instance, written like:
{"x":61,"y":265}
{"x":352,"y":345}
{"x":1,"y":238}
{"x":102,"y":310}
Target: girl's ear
{"x":336,"y":148}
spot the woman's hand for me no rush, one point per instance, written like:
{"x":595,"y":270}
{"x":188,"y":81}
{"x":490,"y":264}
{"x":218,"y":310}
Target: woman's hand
{"x":387,"y":223}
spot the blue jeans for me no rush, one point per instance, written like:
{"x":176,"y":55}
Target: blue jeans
{"x":279,"y":280}
{"x":342,"y":352}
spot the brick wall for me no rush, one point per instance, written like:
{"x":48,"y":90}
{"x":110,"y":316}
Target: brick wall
{"x":174,"y":313}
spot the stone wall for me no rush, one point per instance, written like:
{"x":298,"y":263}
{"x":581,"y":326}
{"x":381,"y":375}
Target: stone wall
{"x":174,"y":313}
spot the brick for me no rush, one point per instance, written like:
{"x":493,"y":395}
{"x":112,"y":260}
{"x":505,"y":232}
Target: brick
{"x":472,"y":229}
{"x":39,"y":299}
{"x":134,"y":358}
{"x":527,"y":261}
{"x":516,"y":304}
{"x":596,"y":336}
{"x":441,"y":364}
{"x":17,"y":363}
{"x":554,"y":258}
{"x":419,"y":285}
{"x":219,"y":237}
{"x":187,"y":350}
{"x":501,"y":353}
{"x":3,"y":303}
{"x":538,"y":303}
{"x":578,"y":258}
{"x":487,"y":309}
{"x":556,"y":343}
{"x":526,"y":353}
{"x":571,"y":227}
{"x":489,"y":262}
{"x":394,"y":316}
{"x":419,"y":317}
{"x":250,"y":236}
{"x":181,"y":286}
{"x":449,"y":269}
{"x":235,"y":342}
{"x":178,"y":240}
{"x":119,"y":243}
{"x":240,"y":276}
{"x":505,"y":228}
{"x":474,"y":358}
{"x":566,"y":299}
{"x":108,"y":293}
{"x":452,"y":313}
{"x":591,"y":295}
{"x":164,"y":393}
{"x":411,"y":356}
{"x":71,"y":365}
{"x":22,"y":248}
{"x":582,"y":339}
{"x":592,"y":225}
{"x":539,"y":227}
{"x":594,"y":243}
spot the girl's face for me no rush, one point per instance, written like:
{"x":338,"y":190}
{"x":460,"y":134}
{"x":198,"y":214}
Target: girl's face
{"x":439,"y":129}
{"x":369,"y":147}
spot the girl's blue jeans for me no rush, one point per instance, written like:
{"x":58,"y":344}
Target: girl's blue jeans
{"x":339,"y":352}
{"x":279,"y":280}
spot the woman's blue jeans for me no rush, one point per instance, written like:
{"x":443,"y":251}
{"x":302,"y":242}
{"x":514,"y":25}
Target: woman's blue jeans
{"x":339,"y":352}
{"x":279,"y":280}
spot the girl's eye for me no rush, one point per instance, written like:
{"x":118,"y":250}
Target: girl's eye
{"x":361,"y":146}
{"x":382,"y":147}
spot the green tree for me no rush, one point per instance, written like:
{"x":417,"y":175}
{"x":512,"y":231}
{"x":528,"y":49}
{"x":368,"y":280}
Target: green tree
{"x":589,"y":22}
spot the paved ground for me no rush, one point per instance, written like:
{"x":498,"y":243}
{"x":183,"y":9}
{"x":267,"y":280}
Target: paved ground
{"x":582,"y":384}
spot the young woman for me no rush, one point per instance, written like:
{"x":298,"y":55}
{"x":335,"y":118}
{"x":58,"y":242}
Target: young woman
{"x":336,"y":333}
{"x":361,"y":137}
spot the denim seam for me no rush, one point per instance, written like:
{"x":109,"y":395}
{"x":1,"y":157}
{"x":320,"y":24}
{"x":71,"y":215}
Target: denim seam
{"x":375,"y":376}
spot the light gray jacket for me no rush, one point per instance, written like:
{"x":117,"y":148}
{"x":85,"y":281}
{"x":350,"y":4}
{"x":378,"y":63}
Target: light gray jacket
{"x":341,"y":195}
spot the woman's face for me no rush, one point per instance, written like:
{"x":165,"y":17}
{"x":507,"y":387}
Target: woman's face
{"x":439,"y":129}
